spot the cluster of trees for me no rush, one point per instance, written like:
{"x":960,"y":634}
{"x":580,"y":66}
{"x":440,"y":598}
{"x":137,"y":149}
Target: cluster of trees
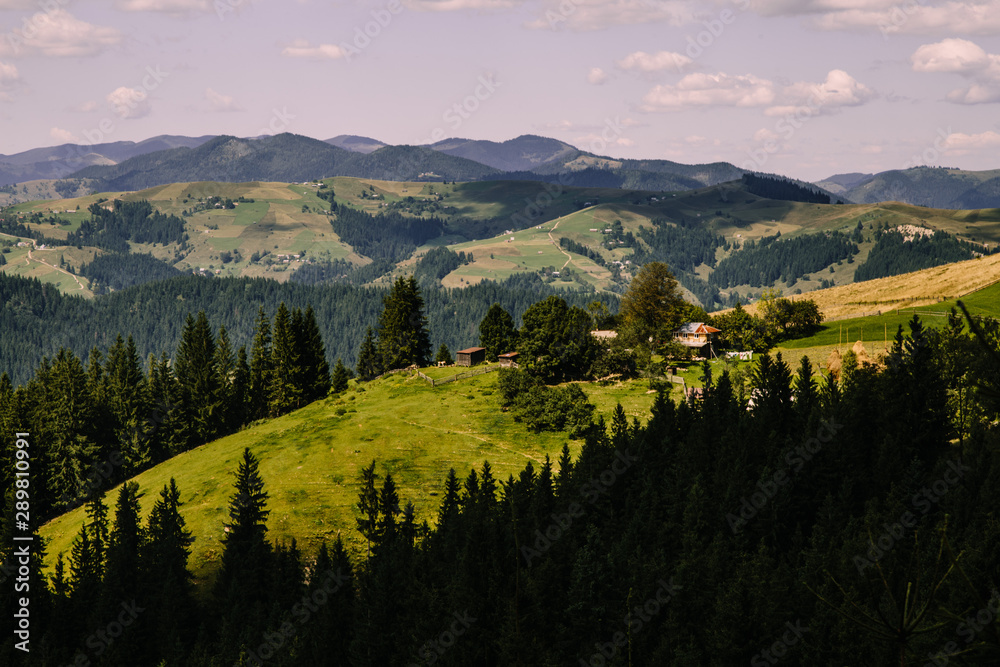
{"x":777,"y":319}
{"x":135,"y":221}
{"x":36,"y":320}
{"x":116,"y":270}
{"x":437,"y":263}
{"x":580,"y":249}
{"x":684,"y":245}
{"x":402,"y":338}
{"x":893,"y":254}
{"x":762,"y":264}
{"x":826,"y":523}
{"x":781,"y":188}
{"x":113,"y":409}
{"x":388,"y":236}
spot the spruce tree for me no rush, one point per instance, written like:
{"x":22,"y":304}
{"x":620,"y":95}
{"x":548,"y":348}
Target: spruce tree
{"x":403,"y":338}
{"x":443,"y":355}
{"x":198,"y":376}
{"x":260,"y":367}
{"x":286,"y":389}
{"x":316,"y":369}
{"x":168,"y":580}
{"x":339,"y":378}
{"x":497,"y":332}
{"x":369,"y":359}
{"x":246,"y":551}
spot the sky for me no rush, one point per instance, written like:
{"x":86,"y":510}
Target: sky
{"x":805,"y":88}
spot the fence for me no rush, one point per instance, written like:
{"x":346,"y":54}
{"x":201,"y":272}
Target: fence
{"x":460,"y":376}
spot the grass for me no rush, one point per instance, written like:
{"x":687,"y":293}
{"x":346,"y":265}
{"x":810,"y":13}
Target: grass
{"x":876,"y":332}
{"x":311,"y":459}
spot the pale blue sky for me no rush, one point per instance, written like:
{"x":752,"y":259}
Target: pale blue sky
{"x":806,"y":88}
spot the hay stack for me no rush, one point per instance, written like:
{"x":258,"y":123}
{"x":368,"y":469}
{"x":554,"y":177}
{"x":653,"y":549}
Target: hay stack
{"x":862,"y":353}
{"x":833,"y":363}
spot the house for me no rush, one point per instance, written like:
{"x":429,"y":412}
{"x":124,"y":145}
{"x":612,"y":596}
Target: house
{"x":699,"y":336}
{"x":508,"y":360}
{"x":471,"y":356}
{"x":604,"y":334}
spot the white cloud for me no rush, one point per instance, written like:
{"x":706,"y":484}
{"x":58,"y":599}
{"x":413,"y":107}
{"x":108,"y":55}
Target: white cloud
{"x":839,"y":89}
{"x":458,"y":5}
{"x":9,"y":79}
{"x":707,"y":90}
{"x":175,"y":7}
{"x":59,"y":34}
{"x":958,"y":143}
{"x":220,"y":102}
{"x":129,"y":102}
{"x":966,"y":59}
{"x":585,"y":15}
{"x":65,"y":136}
{"x":597,"y":76}
{"x":300,"y":48}
{"x":86,"y":107}
{"x":641,"y":61}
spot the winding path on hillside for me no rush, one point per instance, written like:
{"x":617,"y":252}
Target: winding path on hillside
{"x":569,"y":257}
{"x":30,"y":259}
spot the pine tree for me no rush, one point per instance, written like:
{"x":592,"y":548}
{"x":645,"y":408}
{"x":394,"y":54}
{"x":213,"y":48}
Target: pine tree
{"x":339,"y":379}
{"x":225,"y":363}
{"x":242,"y":599}
{"x":369,"y":359}
{"x":260,"y":367}
{"x":443,"y":355}
{"x":198,"y":376}
{"x":123,"y":572}
{"x":286,"y":379}
{"x":168,"y":580}
{"x":316,"y":369}
{"x":246,"y":549}
{"x":497,"y":332}
{"x":402,"y":330}
{"x":368,"y":504}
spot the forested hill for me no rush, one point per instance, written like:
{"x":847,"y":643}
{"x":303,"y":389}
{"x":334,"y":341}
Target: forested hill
{"x":283,"y":157}
{"x":36,"y":320}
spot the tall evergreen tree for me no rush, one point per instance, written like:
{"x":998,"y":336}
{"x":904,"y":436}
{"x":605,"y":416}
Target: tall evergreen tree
{"x":316,"y":369}
{"x":260,"y":367}
{"x":497,"y":332}
{"x":286,"y":379}
{"x":339,"y":377}
{"x":403,"y":338}
{"x":198,"y":376}
{"x":168,"y":583}
{"x":369,"y":360}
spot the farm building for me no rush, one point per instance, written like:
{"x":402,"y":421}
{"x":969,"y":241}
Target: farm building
{"x":471,"y":356}
{"x":699,"y":336}
{"x":508,"y":360}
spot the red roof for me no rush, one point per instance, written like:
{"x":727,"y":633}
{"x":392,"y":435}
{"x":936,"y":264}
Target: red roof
{"x":471,"y":350}
{"x":508,"y":355}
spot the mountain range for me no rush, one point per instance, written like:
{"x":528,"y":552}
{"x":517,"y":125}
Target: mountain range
{"x":127,"y":165}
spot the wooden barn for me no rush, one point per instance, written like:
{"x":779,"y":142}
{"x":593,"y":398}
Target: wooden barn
{"x":471,"y":356}
{"x":508,"y":360}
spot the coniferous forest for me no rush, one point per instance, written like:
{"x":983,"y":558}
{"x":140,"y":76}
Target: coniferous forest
{"x":813,"y":522}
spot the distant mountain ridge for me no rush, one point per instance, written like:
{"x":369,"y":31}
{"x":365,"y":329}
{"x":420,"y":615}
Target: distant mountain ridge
{"x":63,"y":160}
{"x":291,"y":158}
{"x":934,"y":187}
{"x":171,"y":158}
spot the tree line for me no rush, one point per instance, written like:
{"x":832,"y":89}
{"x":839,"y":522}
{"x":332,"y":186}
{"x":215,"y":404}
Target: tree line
{"x":823,"y":522}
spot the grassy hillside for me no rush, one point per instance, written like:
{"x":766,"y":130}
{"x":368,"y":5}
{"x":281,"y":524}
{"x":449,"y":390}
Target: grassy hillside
{"x":311,"y":459}
{"x":920,"y":288}
{"x":289,"y":219}
{"x":876,"y":332}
